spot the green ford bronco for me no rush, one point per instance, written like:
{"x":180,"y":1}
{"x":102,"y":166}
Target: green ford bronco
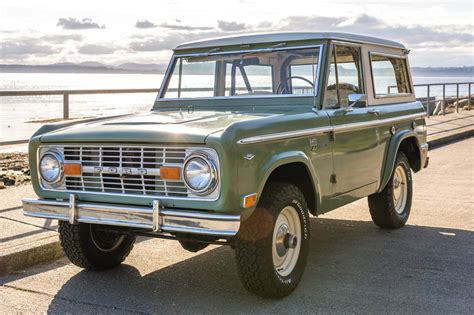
{"x":248,"y":136}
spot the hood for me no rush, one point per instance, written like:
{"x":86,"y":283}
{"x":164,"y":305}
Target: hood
{"x":150,"y":127}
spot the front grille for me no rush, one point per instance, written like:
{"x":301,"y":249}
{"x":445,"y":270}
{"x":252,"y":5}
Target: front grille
{"x":125,"y":170}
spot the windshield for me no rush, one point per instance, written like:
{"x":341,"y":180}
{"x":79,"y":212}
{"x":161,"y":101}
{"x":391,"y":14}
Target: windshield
{"x":278,"y":72}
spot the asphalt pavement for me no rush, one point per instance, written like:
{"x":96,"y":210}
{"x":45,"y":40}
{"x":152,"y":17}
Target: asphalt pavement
{"x":353,"y":266}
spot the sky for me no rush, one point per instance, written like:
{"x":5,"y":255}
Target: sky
{"x":438,"y":33}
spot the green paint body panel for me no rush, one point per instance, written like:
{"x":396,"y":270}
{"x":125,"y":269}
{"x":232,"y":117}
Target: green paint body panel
{"x":360,"y":159}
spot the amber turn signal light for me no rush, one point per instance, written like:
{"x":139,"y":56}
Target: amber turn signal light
{"x":250,"y":200}
{"x":72,"y":169}
{"x":170,"y":172}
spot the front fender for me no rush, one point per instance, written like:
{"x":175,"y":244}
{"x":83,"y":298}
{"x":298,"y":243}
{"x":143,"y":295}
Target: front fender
{"x":391,"y":155}
{"x":288,"y":157}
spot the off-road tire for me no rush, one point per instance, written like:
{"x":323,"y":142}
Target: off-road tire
{"x":253,"y":246}
{"x":382,"y":205}
{"x":82,"y":251}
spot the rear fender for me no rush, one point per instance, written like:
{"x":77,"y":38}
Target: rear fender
{"x":394,"y":145}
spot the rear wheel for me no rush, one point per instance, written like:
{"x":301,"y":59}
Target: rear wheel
{"x":391,"y":207}
{"x":92,"y":247}
{"x":272,"y":245}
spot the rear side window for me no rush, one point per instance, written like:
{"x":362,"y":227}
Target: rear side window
{"x":390,"y":76}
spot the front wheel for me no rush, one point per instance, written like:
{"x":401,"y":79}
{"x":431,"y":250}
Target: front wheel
{"x":273,"y":244}
{"x":391,"y":207}
{"x":92,"y":247}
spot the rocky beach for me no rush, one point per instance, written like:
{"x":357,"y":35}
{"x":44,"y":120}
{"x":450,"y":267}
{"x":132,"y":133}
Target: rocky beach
{"x":14,"y":169}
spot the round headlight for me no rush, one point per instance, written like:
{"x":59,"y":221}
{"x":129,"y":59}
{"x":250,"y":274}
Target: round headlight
{"x":199,"y":174}
{"x":51,"y":167}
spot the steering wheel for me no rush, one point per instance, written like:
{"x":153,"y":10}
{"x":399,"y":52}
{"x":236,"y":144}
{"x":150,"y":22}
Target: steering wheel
{"x":284,"y":87}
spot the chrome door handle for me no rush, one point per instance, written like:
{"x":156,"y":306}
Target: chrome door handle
{"x":374,"y":112}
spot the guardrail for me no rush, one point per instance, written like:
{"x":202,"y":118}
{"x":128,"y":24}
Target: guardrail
{"x":66,"y":93}
{"x":443,"y":102}
{"x":427,"y":101}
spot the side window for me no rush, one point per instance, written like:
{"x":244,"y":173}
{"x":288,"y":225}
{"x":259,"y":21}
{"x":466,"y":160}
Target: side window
{"x":345,"y":76}
{"x":390,"y":76}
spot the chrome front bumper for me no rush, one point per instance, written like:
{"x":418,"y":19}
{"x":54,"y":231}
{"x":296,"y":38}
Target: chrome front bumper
{"x":154,"y":219}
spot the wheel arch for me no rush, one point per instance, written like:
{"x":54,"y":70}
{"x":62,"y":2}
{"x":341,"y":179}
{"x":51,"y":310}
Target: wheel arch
{"x":406,"y":142}
{"x":295,"y":168}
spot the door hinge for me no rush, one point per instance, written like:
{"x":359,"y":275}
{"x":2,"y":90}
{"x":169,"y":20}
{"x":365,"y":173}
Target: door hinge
{"x":333,"y":179}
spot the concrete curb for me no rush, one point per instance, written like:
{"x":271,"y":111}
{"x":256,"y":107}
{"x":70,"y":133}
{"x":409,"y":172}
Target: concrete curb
{"x":40,"y":251}
{"x":436,"y":143}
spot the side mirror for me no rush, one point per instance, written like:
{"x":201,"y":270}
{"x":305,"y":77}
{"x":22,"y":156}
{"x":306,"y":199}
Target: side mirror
{"x":356,"y":101}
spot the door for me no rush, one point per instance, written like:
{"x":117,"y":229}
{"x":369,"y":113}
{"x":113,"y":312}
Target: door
{"x":355,"y":137}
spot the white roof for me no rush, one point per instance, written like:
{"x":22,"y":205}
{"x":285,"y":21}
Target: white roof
{"x":285,"y":37}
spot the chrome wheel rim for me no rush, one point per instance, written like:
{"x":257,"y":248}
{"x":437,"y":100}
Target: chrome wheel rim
{"x":400,"y":189}
{"x":105,"y":241}
{"x":286,"y":243}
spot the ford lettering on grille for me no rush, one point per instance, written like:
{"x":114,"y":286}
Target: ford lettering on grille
{"x":125,"y":170}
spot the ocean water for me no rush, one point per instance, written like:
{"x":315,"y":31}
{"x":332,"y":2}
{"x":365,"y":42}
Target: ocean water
{"x":20,"y":116}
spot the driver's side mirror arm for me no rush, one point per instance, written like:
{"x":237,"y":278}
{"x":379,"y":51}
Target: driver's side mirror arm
{"x":356,"y":101}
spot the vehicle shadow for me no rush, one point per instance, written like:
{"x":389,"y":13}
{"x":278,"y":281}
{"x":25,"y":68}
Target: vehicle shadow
{"x":352,"y":267}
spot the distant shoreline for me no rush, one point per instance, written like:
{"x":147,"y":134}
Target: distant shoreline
{"x":133,"y":68}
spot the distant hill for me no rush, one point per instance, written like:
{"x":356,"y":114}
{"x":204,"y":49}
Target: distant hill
{"x":443,"y":71}
{"x":91,"y":64}
{"x":157,"y":68}
{"x":160,"y":68}
{"x":85,"y":67}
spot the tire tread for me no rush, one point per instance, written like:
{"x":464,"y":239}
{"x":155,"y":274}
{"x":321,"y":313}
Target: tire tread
{"x":79,"y":252}
{"x":254,"y":261}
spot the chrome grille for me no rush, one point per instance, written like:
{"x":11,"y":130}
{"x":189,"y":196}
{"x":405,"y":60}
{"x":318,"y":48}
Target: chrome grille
{"x":136,"y":170}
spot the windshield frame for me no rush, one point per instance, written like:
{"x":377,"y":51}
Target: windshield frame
{"x":176,"y":56}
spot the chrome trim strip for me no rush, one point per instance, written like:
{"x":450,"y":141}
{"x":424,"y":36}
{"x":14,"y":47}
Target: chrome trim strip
{"x":328,"y":36}
{"x":320,"y":130}
{"x":285,"y":135}
{"x":244,"y":51}
{"x":162,"y":220}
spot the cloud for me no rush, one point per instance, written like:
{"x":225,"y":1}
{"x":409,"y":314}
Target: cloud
{"x":75,"y":24}
{"x":413,"y":36}
{"x":176,"y":27}
{"x":364,"y":20}
{"x":60,"y":39}
{"x":153,"y":44}
{"x":145,"y":24}
{"x":430,"y":44}
{"x":314,"y":23}
{"x":9,"y":31}
{"x":167,"y":42}
{"x":231,"y":26}
{"x":93,"y":49}
{"x":25,"y":47}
